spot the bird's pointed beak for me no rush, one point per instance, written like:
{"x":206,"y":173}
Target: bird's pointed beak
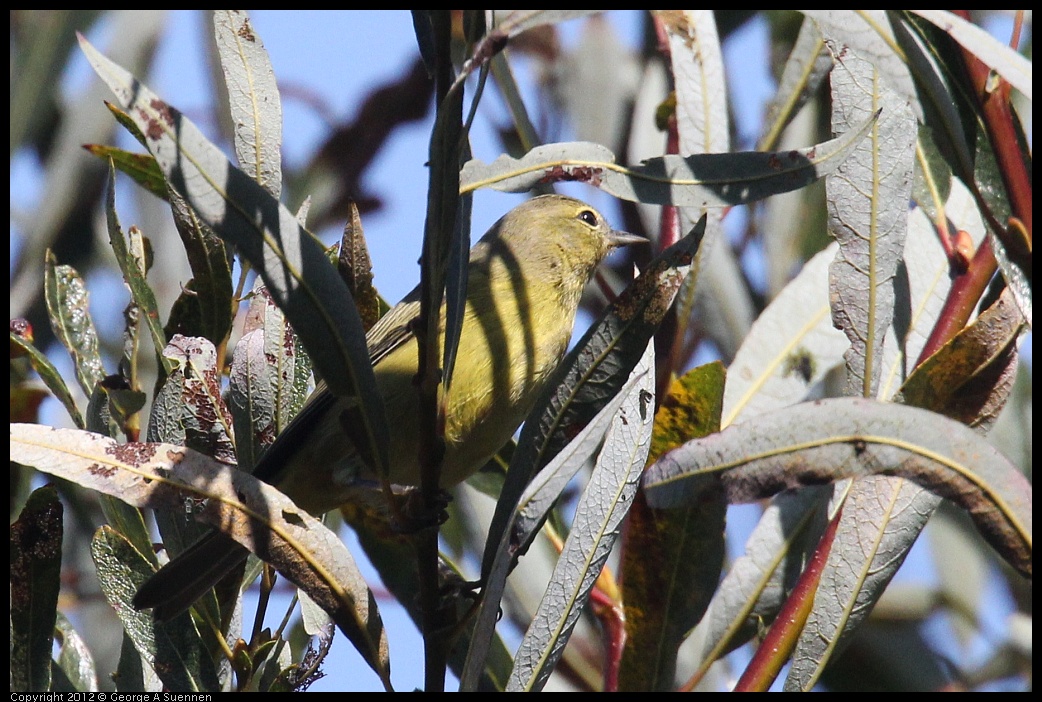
{"x":617,"y":238}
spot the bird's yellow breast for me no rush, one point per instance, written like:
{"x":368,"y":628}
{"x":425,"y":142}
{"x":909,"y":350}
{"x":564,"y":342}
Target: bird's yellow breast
{"x":508,"y":346}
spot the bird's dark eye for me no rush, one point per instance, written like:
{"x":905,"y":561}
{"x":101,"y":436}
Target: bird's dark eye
{"x":589,"y":217}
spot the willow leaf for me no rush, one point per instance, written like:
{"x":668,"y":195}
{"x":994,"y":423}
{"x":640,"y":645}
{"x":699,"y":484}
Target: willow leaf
{"x":829,"y":440}
{"x":291,"y":261}
{"x":169,"y":477}
{"x":701,"y":180}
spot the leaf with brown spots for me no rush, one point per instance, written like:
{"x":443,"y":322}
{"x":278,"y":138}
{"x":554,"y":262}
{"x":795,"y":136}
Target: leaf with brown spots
{"x":291,"y":261}
{"x":36,"y":555}
{"x":169,"y":477}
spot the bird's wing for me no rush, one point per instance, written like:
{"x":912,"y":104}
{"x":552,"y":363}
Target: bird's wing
{"x":393,"y":329}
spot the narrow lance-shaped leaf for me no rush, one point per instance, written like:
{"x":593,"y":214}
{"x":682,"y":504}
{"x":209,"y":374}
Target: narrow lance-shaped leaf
{"x":422,"y":26}
{"x":883,"y":516}
{"x":456,"y":282}
{"x":74,"y":656}
{"x":269,"y":378}
{"x":168,"y":477}
{"x":68,"y":306}
{"x":871,"y":542}
{"x":757,"y":583}
{"x":940,"y":100}
{"x":251,"y":398}
{"x":703,"y":124}
{"x":601,"y":508}
{"x":829,"y":440}
{"x":176,"y":649}
{"x":790,"y":348}
{"x":253,"y":98}
{"x":868,"y":213}
{"x":36,"y":547}
{"x":720,"y":300}
{"x":50,"y":376}
{"x":356,"y":268}
{"x":549,"y":484}
{"x":291,"y":262}
{"x":667,"y":594}
{"x":672,"y":558}
{"x":206,"y":305}
{"x":1002,"y":59}
{"x":129,"y":258}
{"x":970,"y":377}
{"x":868,"y":33}
{"x":442,"y":241}
{"x":963,"y":117}
{"x":807,"y":66}
{"x":525,"y":521}
{"x":703,"y":180}
{"x":141,"y":168}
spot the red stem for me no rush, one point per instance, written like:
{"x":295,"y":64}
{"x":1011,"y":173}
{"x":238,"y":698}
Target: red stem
{"x":781,"y":638}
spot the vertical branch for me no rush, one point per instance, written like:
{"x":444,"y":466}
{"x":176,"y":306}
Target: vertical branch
{"x":442,"y":203}
{"x":968,"y":287}
{"x":993,"y":95}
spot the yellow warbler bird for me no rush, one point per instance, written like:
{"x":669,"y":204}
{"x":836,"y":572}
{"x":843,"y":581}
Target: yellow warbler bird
{"x":524,"y":281}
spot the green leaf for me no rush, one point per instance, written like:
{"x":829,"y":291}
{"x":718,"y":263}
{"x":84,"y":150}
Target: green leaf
{"x":206,"y":307}
{"x":174,"y":650}
{"x":50,"y":376}
{"x":74,"y":657}
{"x":141,"y":168}
{"x":68,"y":306}
{"x":132,"y":260}
{"x":446,"y":237}
{"x":36,"y":549}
